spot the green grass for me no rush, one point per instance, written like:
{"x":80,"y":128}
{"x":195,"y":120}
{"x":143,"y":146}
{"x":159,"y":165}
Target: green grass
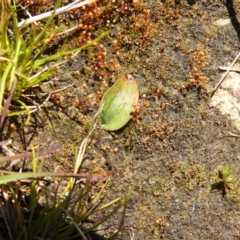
{"x":22,"y":62}
{"x":72,"y":217}
{"x":32,"y":210}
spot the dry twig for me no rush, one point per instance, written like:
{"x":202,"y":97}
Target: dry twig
{"x":224,"y":76}
{"x":71,"y":6}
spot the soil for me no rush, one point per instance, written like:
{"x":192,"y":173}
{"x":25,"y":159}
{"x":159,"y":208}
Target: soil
{"x":173,"y":154}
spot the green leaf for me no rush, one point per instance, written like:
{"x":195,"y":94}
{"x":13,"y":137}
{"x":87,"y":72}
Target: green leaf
{"x":118,"y":103}
{"x":13,"y":176}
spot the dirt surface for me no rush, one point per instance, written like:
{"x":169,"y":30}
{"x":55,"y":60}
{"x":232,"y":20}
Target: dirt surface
{"x":173,"y":153}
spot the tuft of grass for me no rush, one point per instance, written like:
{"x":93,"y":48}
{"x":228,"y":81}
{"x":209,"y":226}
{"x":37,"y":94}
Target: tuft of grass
{"x":33,"y":206}
{"x":22,"y":216}
{"x":22,"y":62}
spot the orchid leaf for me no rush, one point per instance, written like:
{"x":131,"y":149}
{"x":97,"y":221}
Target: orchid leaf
{"x":118,"y":103}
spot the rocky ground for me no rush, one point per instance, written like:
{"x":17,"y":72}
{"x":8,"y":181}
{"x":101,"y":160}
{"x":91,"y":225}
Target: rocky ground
{"x":173,"y":154}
